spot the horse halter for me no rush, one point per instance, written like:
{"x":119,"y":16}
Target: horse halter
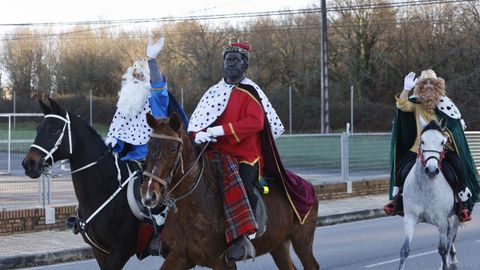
{"x":424,"y":161}
{"x":168,"y":200}
{"x":178,"y":158}
{"x":49,"y":154}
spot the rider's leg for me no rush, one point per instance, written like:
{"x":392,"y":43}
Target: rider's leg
{"x":461,"y":189}
{"x":404,"y":165}
{"x":249,"y":175}
{"x":241,"y":248}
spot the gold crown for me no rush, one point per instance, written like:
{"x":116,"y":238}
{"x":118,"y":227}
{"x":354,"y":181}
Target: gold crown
{"x":428,"y":74}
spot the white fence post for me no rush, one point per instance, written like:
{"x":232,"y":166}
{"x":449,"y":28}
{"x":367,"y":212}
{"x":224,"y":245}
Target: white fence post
{"x":345,"y":160}
{"x":9,"y":147}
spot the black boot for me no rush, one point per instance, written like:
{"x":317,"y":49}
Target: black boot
{"x":72,"y":224}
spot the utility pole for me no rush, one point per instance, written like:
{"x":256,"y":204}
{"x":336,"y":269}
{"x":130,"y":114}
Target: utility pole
{"x":324,"y":114}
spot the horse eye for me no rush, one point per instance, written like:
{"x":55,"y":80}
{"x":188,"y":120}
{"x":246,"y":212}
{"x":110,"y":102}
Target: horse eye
{"x":173,"y":149}
{"x":421,"y":142}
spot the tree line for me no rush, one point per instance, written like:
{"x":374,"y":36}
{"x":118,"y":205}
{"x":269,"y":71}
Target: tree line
{"x":371,"y":49}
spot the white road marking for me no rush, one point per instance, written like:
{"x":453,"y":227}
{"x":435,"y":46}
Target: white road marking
{"x":396,"y":260}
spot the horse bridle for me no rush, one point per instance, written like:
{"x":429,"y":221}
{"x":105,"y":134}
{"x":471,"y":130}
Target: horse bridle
{"x":169,"y":201}
{"x":49,"y":154}
{"x":439,"y":159}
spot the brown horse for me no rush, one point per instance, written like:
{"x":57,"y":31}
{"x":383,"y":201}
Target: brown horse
{"x":195,"y":225}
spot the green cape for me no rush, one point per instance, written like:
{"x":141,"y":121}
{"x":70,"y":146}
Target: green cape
{"x":404,"y":131}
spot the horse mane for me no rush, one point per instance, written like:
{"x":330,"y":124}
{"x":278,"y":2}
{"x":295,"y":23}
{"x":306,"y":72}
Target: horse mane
{"x":91,"y":131}
{"x":433,"y":125}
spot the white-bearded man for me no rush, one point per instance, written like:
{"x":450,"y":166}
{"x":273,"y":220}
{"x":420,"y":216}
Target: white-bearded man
{"x":144,"y":90}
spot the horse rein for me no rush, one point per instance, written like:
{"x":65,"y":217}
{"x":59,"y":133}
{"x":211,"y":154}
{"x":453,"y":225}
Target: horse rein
{"x":170,"y":201}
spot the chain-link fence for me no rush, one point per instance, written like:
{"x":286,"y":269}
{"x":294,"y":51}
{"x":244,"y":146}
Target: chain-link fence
{"x":317,"y":157}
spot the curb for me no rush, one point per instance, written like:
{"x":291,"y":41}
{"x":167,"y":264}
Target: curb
{"x":349,"y":217}
{"x":36,"y":259}
{"x":68,"y":255}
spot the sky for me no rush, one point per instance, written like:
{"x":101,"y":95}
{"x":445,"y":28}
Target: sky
{"x":39,"y":11}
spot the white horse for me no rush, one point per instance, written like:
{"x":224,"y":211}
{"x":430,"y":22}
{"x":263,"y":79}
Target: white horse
{"x":427,"y":196}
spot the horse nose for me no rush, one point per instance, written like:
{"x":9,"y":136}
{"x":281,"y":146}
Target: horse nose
{"x":150,"y":199}
{"x":31,"y":167}
{"x":431,"y":172}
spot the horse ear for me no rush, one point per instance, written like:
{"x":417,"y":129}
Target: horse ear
{"x":443,"y":124}
{"x":175,"y":122}
{"x":45,"y":109}
{"x":151,"y":121}
{"x":55,"y":107}
{"x":422,"y":122}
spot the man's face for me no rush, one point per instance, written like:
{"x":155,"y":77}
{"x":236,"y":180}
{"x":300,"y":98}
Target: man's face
{"x":234,"y":66}
{"x":428,"y":85}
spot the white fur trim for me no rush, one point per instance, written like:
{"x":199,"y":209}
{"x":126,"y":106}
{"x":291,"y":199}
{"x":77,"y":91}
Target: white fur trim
{"x":447,"y":106}
{"x":214,"y":101}
{"x":395,"y":191}
{"x":131,"y":129}
{"x":465,"y":194}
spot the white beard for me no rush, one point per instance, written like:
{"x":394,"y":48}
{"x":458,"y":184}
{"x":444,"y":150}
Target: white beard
{"x":133,"y":95}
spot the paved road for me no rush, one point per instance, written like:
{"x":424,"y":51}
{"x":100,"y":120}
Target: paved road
{"x":371,"y":244}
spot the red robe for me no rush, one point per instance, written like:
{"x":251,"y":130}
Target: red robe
{"x":242,"y":121}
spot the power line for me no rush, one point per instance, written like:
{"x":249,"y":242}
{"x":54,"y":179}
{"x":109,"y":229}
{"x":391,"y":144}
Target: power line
{"x":240,"y":15}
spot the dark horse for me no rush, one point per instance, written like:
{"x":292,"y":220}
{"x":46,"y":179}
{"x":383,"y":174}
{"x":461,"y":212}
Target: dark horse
{"x":113,"y":232}
{"x":195,"y":225}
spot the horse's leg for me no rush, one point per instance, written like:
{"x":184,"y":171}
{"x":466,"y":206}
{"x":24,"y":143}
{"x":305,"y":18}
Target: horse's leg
{"x":117,"y":259}
{"x":453,"y":257}
{"x":223,"y":265}
{"x":176,"y":261}
{"x":100,"y":257}
{"x":302,"y":237}
{"x":281,"y":256}
{"x":453,"y":224}
{"x":409,"y":223}
{"x":443,"y":245}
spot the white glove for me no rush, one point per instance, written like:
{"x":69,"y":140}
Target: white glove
{"x":203,"y":137}
{"x":111,"y":140}
{"x":409,"y":81}
{"x":154,"y":49}
{"x":216,"y":131}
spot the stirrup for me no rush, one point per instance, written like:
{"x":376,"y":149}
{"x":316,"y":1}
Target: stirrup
{"x":240,"y":250}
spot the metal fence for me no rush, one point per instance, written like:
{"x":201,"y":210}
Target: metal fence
{"x":317,"y":157}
